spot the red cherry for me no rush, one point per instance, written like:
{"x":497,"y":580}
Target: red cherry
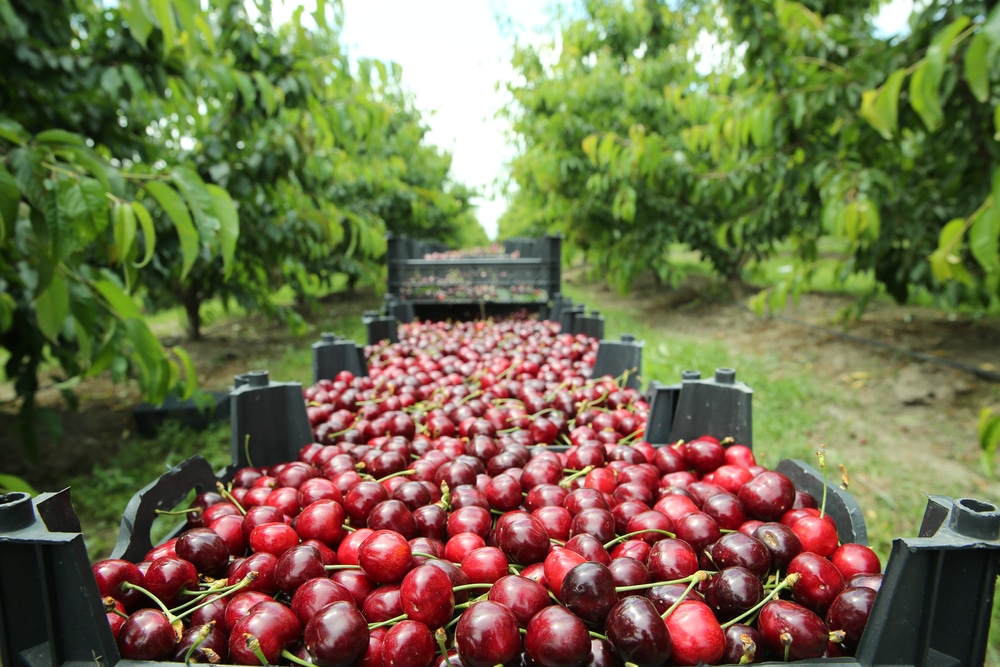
{"x":556,"y":637}
{"x":557,"y":564}
{"x":147,"y":635}
{"x":408,"y":644}
{"x":485,"y":565}
{"x":337,"y":635}
{"x":385,"y":556}
{"x":783,"y":623}
{"x":696,"y":634}
{"x":853,"y":559}
{"x":487,"y":635}
{"x":819,"y":582}
{"x":426,"y":595}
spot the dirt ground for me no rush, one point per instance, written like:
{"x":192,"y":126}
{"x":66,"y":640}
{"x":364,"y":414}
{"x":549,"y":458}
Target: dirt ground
{"x":910,"y":367}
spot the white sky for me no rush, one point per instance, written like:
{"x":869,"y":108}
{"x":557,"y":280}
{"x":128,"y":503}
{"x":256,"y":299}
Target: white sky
{"x":453,"y":54}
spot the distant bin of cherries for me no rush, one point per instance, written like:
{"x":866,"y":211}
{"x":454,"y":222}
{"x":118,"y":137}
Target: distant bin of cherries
{"x":479,"y":500}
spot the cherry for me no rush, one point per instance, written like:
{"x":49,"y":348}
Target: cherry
{"x":471,"y":519}
{"x":487,"y":635}
{"x":382,"y":604}
{"x":111,"y":574}
{"x":485,"y":565}
{"x":240,"y":605}
{"x":589,"y":547}
{"x":637,"y":633}
{"x":817,"y":535}
{"x":556,"y":637}
{"x":318,"y":488}
{"x":210,"y":642}
{"x":696,"y":635}
{"x":258,"y":515}
{"x":408,"y":644}
{"x":872,"y":581}
{"x":703,"y":455}
{"x":460,"y":544}
{"x":671,"y":559}
{"x":588,"y":590}
{"x":337,"y":635}
{"x":524,"y":597}
{"x":503,"y":492}
{"x":167,"y":578}
{"x":557,"y":520}
{"x":431,"y":521}
{"x":741,"y":644}
{"x":733,"y":591}
{"x":297,"y":566}
{"x":557,"y":564}
{"x":357,"y":582}
{"x":781,"y":541}
{"x":426,"y":595}
{"x":849,"y":612}
{"x":788,"y":626}
{"x":628,"y":571}
{"x":361,"y":498}
{"x":594,"y":521}
{"x":264,"y":564}
{"x":820,"y":581}
{"x":654,"y":521}
{"x":273,"y":538}
{"x":737,"y":549}
{"x":697,"y":529}
{"x":853,"y":559}
{"x":315,"y":594}
{"x":767,"y":496}
{"x":385,"y":556}
{"x":147,"y":635}
{"x":321,"y":520}
{"x":726,"y":509}
{"x":665,"y":596}
{"x":524,"y":541}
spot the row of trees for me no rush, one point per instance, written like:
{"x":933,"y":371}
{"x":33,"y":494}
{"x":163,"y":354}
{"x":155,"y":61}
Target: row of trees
{"x":805,"y":123}
{"x":164,"y":152}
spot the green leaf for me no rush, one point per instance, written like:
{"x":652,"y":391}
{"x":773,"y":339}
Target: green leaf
{"x":974,"y":64}
{"x":7,"y":308}
{"x":150,"y":358}
{"x":589,"y":146}
{"x":163,"y":12}
{"x":996,"y":123}
{"x":119,"y":301}
{"x":13,"y":482}
{"x":10,"y":201}
{"x":59,"y":137}
{"x":96,"y":220}
{"x":880,"y":107}
{"x":198,"y":199}
{"x":52,"y":307}
{"x":267,"y":94}
{"x":924,"y":95}
{"x":139,"y":24}
{"x":190,"y":374}
{"x":148,"y":232}
{"x":89,"y":160}
{"x":111,"y":82}
{"x":124,"y":230}
{"x":989,"y":438}
{"x":15,"y":26}
{"x":13,"y":132}
{"x":229,"y":225}
{"x":206,"y":31}
{"x":984,"y":239}
{"x":245,"y":84}
{"x":950,"y":238}
{"x":175,"y":209}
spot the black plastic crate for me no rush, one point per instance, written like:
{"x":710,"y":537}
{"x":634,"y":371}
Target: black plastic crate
{"x":150,"y":417}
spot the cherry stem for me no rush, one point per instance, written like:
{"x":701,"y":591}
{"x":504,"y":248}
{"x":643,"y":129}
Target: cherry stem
{"x":388,"y":621}
{"x":190,"y":510}
{"x":627,"y":536}
{"x":294,"y":659}
{"x":221,"y":592}
{"x":787,"y":582}
{"x":653,"y":584}
{"x":597,"y":635}
{"x":228,"y":496}
{"x":348,"y":527}
{"x":441,"y":637}
{"x":421,"y":554}
{"x":401,"y":473}
{"x":569,"y":479}
{"x":159,"y":603}
{"x":471,"y":587}
{"x":696,"y":578}
{"x":253,"y":644}
{"x":246,"y":450}
{"x":342,"y":566}
{"x":203,"y":633}
{"x":822,"y":467}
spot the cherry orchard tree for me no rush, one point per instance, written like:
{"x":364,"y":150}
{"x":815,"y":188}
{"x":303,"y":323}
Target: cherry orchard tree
{"x":800,"y":131}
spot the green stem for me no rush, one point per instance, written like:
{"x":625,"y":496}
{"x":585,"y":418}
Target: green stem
{"x":388,"y":621}
{"x":787,"y":582}
{"x":294,"y":659}
{"x":228,"y":496}
{"x":628,"y":536}
{"x":696,"y":579}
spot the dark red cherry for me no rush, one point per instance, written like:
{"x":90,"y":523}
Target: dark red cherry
{"x":785,"y":624}
{"x":637,"y":633}
{"x":819,"y":582}
{"x":487,"y":634}
{"x":337,"y":635}
{"x":737,"y":549}
{"x":556,"y":637}
{"x":781,"y":541}
{"x":147,"y":635}
{"x":733,"y":591}
{"x":588,"y":590}
{"x":741,"y":644}
{"x":426,"y":596}
{"x":849,"y":612}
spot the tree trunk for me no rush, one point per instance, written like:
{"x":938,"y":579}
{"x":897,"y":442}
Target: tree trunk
{"x":192,"y":308}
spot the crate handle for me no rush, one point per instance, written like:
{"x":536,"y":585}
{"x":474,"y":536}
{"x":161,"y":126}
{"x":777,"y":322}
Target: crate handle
{"x":165,"y":493}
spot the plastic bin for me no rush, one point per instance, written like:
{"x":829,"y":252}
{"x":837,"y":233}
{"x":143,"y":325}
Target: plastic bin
{"x":527,"y":274}
{"x":149,"y":417}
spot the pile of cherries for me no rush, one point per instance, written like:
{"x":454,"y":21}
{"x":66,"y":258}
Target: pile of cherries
{"x":479,"y":500}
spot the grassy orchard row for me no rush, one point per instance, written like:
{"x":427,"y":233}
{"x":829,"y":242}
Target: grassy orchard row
{"x":426,"y":526}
